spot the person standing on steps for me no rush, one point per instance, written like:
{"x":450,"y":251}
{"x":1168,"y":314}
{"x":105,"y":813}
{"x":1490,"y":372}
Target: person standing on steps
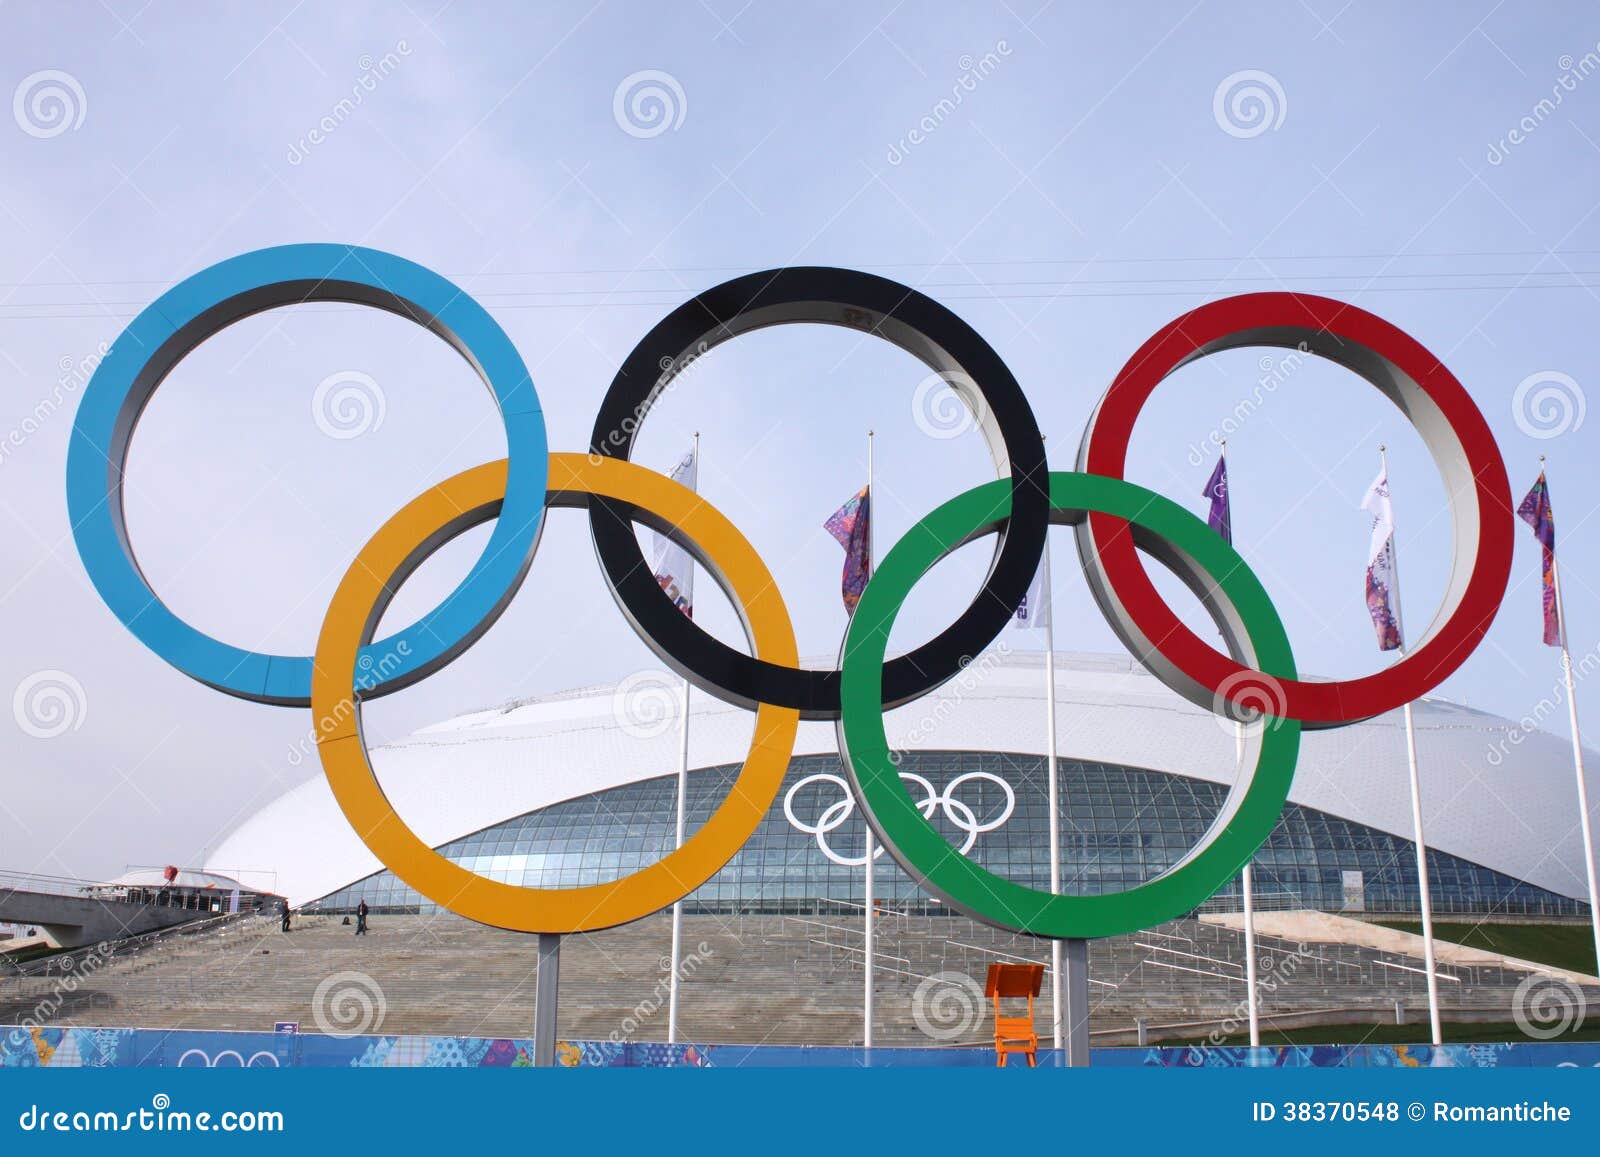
{"x":285,"y":910}
{"x":361,"y":918}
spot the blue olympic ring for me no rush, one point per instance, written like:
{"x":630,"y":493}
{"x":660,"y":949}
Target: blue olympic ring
{"x":195,"y":309}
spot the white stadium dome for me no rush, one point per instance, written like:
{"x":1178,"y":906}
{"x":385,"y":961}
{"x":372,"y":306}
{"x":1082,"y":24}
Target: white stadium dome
{"x":1495,"y":792}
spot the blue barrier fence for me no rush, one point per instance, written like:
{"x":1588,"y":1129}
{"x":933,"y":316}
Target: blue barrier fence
{"x":35,"y":1047}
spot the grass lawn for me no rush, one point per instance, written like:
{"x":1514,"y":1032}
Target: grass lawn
{"x":1392,"y":1034}
{"x":32,"y":952}
{"x":1558,"y":945}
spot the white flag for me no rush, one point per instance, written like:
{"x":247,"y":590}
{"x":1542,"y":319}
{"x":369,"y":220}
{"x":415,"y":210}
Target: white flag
{"x":1380,"y":564}
{"x":1033,"y":612}
{"x":674,"y":569}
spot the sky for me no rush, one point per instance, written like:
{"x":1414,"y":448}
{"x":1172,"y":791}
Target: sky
{"x":1066,"y":178}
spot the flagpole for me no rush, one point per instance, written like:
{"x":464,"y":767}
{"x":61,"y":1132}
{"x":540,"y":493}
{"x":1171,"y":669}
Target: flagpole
{"x":866,"y":993}
{"x":1054,"y":782}
{"x":683,"y":796}
{"x":1246,"y":876}
{"x":1577,"y":754}
{"x":1416,"y":786}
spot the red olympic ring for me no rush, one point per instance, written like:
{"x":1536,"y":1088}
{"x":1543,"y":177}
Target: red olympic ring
{"x":1439,"y":408}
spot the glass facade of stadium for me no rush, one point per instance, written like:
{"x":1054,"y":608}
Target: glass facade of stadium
{"x":1120,"y":826}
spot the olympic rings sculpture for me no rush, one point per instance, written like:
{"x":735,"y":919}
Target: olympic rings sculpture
{"x":1114,"y":520}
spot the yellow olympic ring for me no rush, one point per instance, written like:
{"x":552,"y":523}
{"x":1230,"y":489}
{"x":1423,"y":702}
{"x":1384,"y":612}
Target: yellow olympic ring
{"x":434,"y":518}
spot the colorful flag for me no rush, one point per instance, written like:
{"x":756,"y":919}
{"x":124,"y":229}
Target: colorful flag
{"x":1535,"y":511}
{"x":674,"y":569}
{"x":1380,"y":563}
{"x":1033,"y":612}
{"x":1219,"y":519}
{"x":850,"y":526}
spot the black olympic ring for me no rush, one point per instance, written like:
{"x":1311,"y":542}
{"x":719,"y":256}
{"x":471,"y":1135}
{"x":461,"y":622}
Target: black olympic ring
{"x":913,"y":322}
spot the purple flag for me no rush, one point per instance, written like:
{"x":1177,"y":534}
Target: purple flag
{"x":849,"y":527}
{"x":1220,"y":519}
{"x":1535,"y":511}
{"x":1380,"y":564}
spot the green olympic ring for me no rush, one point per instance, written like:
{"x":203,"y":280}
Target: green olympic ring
{"x":1161,"y":528}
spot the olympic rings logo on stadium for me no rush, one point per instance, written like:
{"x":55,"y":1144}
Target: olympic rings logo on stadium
{"x":1114,"y":521}
{"x":958,"y":812}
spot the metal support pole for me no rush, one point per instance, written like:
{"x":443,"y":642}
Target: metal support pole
{"x":1054,"y":792}
{"x":1076,"y":952}
{"x":676,"y":962}
{"x":677,"y":908}
{"x":1424,"y":891}
{"x":1577,"y":764}
{"x":1247,"y":882}
{"x":867,"y":913}
{"x":1250,"y":959}
{"x":546,"y":985}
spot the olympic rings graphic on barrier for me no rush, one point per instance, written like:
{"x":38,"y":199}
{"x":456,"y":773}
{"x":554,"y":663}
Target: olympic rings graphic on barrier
{"x":215,"y":1062}
{"x":1114,"y":519}
{"x":957,"y":811}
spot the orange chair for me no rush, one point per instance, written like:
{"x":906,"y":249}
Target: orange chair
{"x":1014,"y":1034}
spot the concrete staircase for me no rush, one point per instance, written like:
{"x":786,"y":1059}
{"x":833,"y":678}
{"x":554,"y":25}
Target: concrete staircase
{"x":746,"y":979}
